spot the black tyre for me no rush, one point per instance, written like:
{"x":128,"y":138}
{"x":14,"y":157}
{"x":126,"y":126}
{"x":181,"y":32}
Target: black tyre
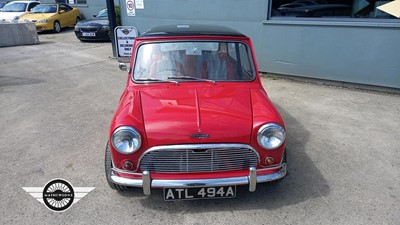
{"x":57,"y":27}
{"x":77,"y":20}
{"x":108,"y":166}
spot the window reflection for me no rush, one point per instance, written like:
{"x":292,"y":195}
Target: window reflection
{"x":329,"y":8}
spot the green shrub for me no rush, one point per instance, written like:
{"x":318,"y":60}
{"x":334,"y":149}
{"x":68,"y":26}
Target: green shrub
{"x":118,"y":15}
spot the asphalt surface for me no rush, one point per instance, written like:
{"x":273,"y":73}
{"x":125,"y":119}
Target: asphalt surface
{"x":57,"y":100}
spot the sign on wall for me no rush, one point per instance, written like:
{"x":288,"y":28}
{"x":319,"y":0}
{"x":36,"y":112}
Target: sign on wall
{"x":124,"y":38}
{"x":139,"y":4}
{"x":130,"y":7}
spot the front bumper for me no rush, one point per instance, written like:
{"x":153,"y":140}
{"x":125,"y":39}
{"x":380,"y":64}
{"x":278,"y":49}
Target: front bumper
{"x":100,"y":36}
{"x":40,"y":27}
{"x":251,"y":180}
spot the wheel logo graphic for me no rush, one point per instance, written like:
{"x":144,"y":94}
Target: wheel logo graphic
{"x":126,"y":31}
{"x":58,"y":195}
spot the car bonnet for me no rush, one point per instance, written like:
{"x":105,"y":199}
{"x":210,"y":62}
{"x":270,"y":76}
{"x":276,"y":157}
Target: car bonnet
{"x":208,"y":114}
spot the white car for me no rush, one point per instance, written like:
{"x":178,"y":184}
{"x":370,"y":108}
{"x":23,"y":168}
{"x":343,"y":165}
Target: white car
{"x":12,"y":11}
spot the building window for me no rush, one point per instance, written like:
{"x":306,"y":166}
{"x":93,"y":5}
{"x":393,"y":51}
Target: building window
{"x":329,"y":9}
{"x":72,"y":2}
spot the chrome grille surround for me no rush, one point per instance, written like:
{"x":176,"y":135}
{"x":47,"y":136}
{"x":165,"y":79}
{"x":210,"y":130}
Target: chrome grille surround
{"x":198,"y":158}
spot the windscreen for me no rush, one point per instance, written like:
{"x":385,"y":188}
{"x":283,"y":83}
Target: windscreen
{"x":102,"y":13}
{"x":218,"y":61}
{"x":14,"y":7}
{"x":44,"y":9}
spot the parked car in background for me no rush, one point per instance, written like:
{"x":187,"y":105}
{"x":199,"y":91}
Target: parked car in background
{"x":2,"y":4}
{"x":12,"y":11}
{"x":324,"y":10}
{"x":194,"y":118}
{"x":52,"y":17}
{"x":94,"y":29}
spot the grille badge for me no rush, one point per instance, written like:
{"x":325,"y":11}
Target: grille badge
{"x":199,"y":136}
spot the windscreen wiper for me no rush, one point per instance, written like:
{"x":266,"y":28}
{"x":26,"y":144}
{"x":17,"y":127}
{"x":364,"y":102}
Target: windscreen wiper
{"x":191,"y":78}
{"x":156,"y":80}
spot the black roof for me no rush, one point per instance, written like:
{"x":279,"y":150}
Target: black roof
{"x":191,"y":29}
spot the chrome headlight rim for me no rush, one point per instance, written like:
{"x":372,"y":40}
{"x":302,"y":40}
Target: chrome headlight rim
{"x":134,"y":134}
{"x":266,"y":127}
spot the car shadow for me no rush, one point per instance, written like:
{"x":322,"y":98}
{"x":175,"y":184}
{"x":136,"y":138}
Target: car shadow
{"x":304,"y":181}
{"x":95,"y":41}
{"x":46,"y":42}
{"x":63,"y":30}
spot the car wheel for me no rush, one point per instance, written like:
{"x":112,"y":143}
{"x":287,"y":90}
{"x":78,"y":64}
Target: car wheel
{"x":77,"y":20}
{"x":279,"y":180}
{"x":57,"y":27}
{"x":108,"y":166}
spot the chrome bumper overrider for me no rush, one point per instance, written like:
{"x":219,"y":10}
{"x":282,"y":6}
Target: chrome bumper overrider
{"x":147,"y":183}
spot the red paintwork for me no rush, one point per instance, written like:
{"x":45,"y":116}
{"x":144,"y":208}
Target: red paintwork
{"x":171,"y":113}
{"x":166,"y":113}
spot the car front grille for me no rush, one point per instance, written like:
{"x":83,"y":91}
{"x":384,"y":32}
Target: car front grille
{"x":206,"y":158}
{"x":88,"y":29}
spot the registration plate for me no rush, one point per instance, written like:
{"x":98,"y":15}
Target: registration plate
{"x":86,"y":34}
{"x":171,"y":194}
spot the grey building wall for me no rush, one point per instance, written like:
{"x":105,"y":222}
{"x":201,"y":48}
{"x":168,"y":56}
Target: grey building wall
{"x":357,"y":52}
{"x":91,"y":8}
{"x":87,"y":10}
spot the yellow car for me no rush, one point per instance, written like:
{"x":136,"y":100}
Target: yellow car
{"x":52,"y":17}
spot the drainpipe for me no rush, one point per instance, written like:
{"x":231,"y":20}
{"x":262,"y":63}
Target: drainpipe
{"x":113,"y":23}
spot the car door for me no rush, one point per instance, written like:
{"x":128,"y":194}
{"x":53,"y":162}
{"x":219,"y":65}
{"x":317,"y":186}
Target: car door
{"x":71,"y":15}
{"x":65,"y":17}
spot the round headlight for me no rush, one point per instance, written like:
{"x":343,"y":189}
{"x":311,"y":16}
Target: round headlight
{"x":271,"y":136}
{"x":126,"y":140}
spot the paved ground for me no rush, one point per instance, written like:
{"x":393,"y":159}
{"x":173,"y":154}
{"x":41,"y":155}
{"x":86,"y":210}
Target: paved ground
{"x":56,"y":102}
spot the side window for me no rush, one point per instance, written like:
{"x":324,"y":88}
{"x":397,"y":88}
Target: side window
{"x":33,"y":4}
{"x":232,"y":51}
{"x":245,"y":59}
{"x":63,"y":7}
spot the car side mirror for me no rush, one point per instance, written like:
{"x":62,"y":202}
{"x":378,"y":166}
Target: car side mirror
{"x":123,"y":67}
{"x":94,"y":15}
{"x":62,"y":11}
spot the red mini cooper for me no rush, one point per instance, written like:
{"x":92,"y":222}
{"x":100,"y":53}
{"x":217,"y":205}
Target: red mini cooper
{"x":194,"y":118}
